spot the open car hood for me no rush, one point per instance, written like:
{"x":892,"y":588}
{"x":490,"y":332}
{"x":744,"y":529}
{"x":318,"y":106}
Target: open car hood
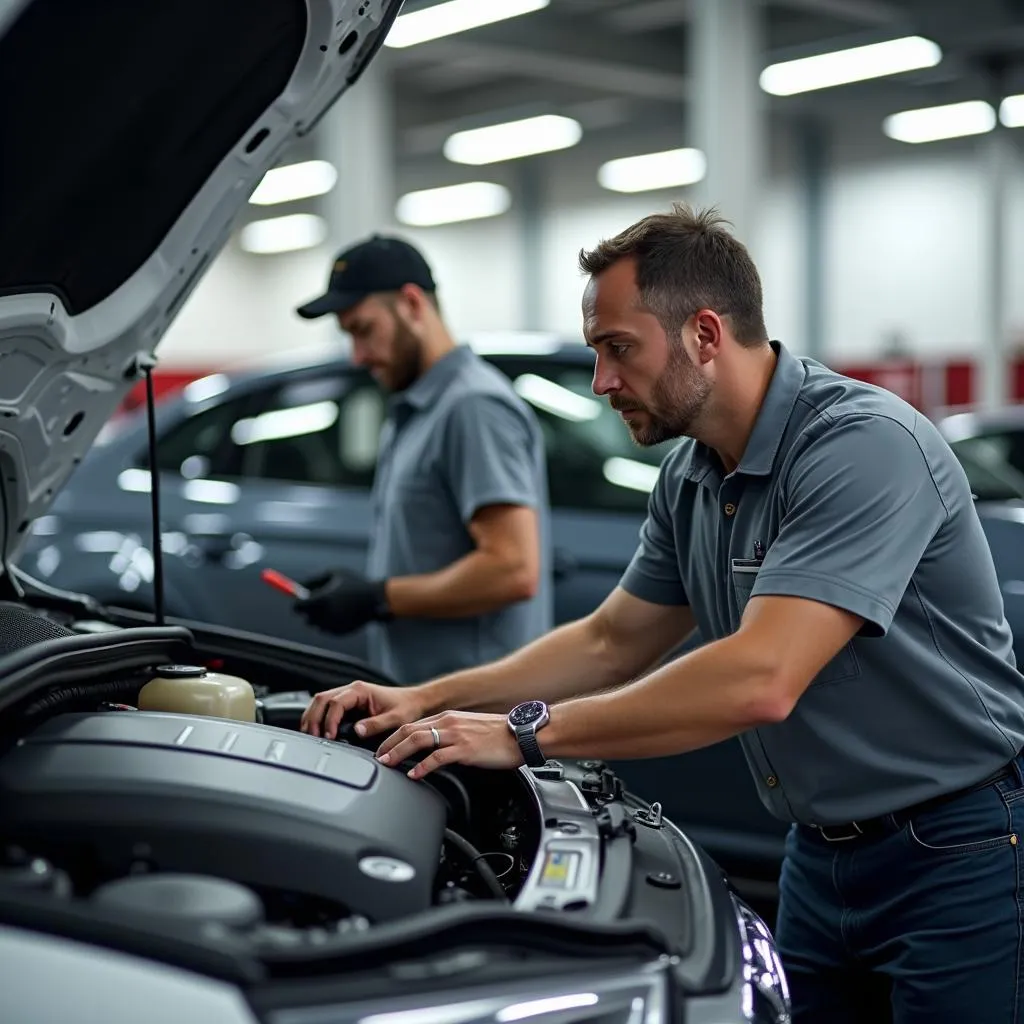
{"x":131,"y":136}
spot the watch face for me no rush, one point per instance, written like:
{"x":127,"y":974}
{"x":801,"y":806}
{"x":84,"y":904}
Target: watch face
{"x":526,"y":714}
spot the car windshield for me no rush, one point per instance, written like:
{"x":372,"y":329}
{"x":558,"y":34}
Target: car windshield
{"x":593,"y":462}
{"x":991,"y":477}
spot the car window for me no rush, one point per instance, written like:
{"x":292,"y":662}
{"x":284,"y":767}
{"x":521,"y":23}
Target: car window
{"x":990,"y":473}
{"x":1003,"y":446}
{"x":311,"y":431}
{"x":196,"y":447}
{"x":592,"y":461}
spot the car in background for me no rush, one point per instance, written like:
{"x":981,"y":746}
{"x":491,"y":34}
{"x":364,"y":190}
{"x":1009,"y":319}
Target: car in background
{"x":993,"y":438}
{"x":992,"y":441}
{"x":270,"y":467}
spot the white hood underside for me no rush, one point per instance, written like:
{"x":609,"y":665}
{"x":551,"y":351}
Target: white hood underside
{"x":134,"y":135}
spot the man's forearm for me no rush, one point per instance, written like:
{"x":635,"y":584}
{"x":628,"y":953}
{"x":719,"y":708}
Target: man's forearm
{"x":711,"y":694}
{"x":573,"y":659}
{"x":476,"y":584}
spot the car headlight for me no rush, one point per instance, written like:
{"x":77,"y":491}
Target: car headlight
{"x":639,"y":998}
{"x":765,"y":991}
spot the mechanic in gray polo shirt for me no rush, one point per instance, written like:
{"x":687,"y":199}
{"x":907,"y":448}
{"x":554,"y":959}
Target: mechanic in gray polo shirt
{"x":459,"y":562}
{"x":824,"y":538}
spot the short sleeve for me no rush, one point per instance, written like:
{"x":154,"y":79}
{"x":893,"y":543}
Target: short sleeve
{"x":653,"y":573}
{"x":861,"y":508}
{"x":492,"y":456}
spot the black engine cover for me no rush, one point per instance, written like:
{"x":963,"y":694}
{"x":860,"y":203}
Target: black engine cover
{"x":259,"y":805}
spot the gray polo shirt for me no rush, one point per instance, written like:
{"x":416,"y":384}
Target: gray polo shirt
{"x":847,"y":495}
{"x":455,"y":441}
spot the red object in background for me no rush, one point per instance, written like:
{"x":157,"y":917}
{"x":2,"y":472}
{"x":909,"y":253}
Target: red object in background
{"x":1017,"y":380}
{"x":903,"y":377}
{"x":960,"y":380}
{"x":927,"y":386}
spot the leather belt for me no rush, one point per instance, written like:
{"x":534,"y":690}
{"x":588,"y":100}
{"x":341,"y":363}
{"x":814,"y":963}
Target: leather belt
{"x":886,"y":823}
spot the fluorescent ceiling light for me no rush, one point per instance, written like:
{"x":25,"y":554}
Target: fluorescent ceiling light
{"x":929,"y":124}
{"x":446,"y":19}
{"x":1011,"y":112}
{"x":283,"y":234}
{"x":295,"y":181}
{"x":513,"y":139}
{"x":472,"y":201}
{"x":553,"y":398}
{"x":631,"y":474}
{"x":669,"y":169}
{"x":857,"y":64}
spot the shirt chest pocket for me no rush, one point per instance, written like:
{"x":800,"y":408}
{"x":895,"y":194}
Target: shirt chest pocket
{"x":844,"y":665}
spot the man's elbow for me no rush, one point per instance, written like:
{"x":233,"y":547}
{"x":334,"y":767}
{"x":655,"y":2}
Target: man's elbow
{"x":522,"y":582}
{"x":771,"y":699}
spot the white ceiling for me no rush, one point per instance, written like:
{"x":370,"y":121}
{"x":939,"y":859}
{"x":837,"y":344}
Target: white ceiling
{"x":618,"y":64}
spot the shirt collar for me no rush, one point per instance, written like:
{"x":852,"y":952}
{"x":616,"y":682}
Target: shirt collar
{"x":428,"y":388}
{"x":770,"y":425}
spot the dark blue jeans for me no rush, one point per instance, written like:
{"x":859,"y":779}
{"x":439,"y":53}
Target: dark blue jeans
{"x":921,"y":923}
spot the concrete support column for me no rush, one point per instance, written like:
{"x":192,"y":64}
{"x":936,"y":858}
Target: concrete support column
{"x":357,"y":136}
{"x":813,"y":139}
{"x":530,"y":200}
{"x":726,"y":107}
{"x":994,"y":385}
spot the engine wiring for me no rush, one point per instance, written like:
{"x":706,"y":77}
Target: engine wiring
{"x":479,"y":862}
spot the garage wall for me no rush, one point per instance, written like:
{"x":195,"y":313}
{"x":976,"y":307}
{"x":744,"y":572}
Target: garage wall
{"x":905,"y":256}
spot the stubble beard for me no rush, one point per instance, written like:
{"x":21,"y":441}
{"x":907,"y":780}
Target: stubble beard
{"x":407,"y":364}
{"x":673,"y":410}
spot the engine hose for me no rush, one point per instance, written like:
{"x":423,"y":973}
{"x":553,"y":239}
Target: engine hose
{"x":98,"y":692}
{"x":440,"y":778}
{"x":476,"y":858}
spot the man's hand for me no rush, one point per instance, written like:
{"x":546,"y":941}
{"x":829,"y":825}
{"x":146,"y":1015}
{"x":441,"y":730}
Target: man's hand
{"x":387,"y":707}
{"x":340,"y":602}
{"x":455,"y":737}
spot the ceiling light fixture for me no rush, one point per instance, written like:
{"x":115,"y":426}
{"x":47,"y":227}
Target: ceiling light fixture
{"x":672,"y":168}
{"x":930,"y":124}
{"x":513,"y":140}
{"x":448,"y":19}
{"x":857,"y":64}
{"x":295,"y":181}
{"x":451,"y":204}
{"x":283,"y":234}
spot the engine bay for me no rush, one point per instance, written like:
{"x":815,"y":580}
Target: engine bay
{"x":155,"y":793}
{"x":249,"y":826}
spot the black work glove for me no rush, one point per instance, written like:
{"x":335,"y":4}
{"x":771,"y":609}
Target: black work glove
{"x":340,"y":602}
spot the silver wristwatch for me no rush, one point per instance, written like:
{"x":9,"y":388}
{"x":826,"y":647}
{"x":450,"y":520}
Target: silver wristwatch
{"x":525,"y":720}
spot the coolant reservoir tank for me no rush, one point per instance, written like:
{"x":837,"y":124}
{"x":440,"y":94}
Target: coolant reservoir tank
{"x":195,"y":690}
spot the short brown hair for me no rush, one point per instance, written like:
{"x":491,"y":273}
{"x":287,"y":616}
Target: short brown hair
{"x":686,"y":260}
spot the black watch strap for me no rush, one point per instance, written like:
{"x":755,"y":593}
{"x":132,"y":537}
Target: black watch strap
{"x":530,"y":749}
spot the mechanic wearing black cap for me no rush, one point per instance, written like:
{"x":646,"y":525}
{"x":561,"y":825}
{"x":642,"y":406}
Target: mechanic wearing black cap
{"x":459,"y":566}
{"x":823,"y":536}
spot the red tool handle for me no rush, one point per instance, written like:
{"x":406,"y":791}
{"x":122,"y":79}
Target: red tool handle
{"x":288,"y":586}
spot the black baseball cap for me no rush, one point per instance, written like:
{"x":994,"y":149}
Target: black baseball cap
{"x":378,"y":264}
